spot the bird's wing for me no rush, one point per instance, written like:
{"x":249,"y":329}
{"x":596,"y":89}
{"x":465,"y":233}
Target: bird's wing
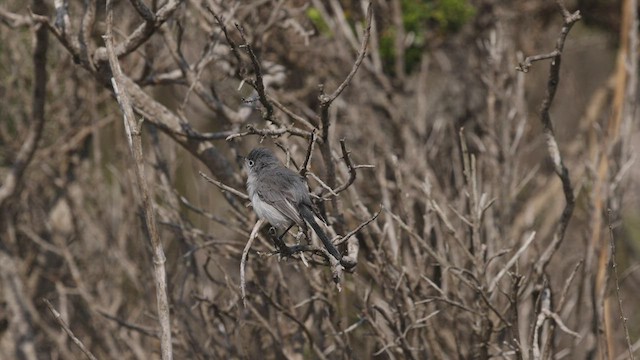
{"x":282,"y":192}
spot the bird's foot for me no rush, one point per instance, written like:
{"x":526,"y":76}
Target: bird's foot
{"x":281,"y":247}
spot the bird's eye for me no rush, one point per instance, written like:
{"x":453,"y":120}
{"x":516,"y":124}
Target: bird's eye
{"x":250,"y":163}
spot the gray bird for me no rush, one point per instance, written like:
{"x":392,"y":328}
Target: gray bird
{"x":280,"y":196}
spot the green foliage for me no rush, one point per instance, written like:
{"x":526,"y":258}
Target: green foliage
{"x":316,"y":18}
{"x":422,"y":17}
{"x":451,"y":15}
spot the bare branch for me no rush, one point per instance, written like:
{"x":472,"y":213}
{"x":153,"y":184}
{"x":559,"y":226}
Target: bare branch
{"x":614,"y":265}
{"x":291,"y":114}
{"x":252,"y":130}
{"x":326,"y":100}
{"x":511,"y":262}
{"x":352,"y":169}
{"x":30,"y":143}
{"x":65,"y":327}
{"x":243,"y":260}
{"x":552,"y":145}
{"x":140,"y":35}
{"x":133,"y":131}
{"x":224,"y":187}
{"x":258,"y":84}
{"x":232,"y":44}
{"x":358,"y":228}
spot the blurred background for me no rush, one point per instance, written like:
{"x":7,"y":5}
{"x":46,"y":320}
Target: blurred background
{"x":433,"y":159}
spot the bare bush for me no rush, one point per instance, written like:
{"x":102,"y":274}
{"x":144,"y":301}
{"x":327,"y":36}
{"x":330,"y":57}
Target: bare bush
{"x":467,"y":183}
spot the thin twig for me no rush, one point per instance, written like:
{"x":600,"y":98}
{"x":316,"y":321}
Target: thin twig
{"x":30,"y":144}
{"x":552,"y":145}
{"x":293,"y":318}
{"x":567,"y":283}
{"x":252,"y":130}
{"x":243,"y":260}
{"x":614,"y":265}
{"x":325,"y":103}
{"x":556,"y":318}
{"x":224,"y":187}
{"x":358,"y":228}
{"x":322,"y":183}
{"x":258,"y":84}
{"x":352,"y":169}
{"x":232,"y":44}
{"x":290,"y":113}
{"x":141,"y":34}
{"x":84,"y":36}
{"x":511,"y":262}
{"x":125,"y":324}
{"x":545,"y":304}
{"x":326,"y":100}
{"x":65,"y":327}
{"x":305,"y":164}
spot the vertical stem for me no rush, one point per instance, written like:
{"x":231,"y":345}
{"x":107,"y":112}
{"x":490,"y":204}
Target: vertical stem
{"x":134,"y":140}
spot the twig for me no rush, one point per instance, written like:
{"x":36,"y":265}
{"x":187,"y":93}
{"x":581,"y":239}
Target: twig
{"x":358,"y":228}
{"x":258,"y":84}
{"x":614,"y":265}
{"x":325,"y":103}
{"x":141,"y":34}
{"x":526,"y":63}
{"x":30,"y":143}
{"x":290,"y":113}
{"x":84,"y":35}
{"x":142,"y":330}
{"x":200,"y":211}
{"x":545,"y":304}
{"x":243,"y":260}
{"x":441,"y":260}
{"x":232,"y":44}
{"x":194,"y":135}
{"x":305,"y":164}
{"x":135,"y":146}
{"x":326,"y":100}
{"x":143,"y":11}
{"x":292,"y":317}
{"x":556,"y":318}
{"x":511,"y":262}
{"x":65,"y":327}
{"x":252,"y":130}
{"x":352,"y":169}
{"x":14,"y":20}
{"x":552,"y":145}
{"x":224,"y":187}
{"x":322,"y":183}
{"x":567,"y":283}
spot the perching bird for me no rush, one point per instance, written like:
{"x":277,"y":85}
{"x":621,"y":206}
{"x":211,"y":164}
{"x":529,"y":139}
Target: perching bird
{"x":280,"y":196}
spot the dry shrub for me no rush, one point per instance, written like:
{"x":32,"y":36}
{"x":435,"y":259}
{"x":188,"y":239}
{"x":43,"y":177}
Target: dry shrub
{"x":479,"y":230}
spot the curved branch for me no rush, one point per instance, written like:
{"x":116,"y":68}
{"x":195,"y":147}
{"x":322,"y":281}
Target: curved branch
{"x":30,"y":144}
{"x":552,"y":145}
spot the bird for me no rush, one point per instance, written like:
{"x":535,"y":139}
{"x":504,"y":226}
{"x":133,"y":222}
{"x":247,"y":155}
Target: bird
{"x":280,"y":196}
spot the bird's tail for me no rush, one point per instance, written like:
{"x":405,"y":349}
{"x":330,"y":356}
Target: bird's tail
{"x":307,"y":214}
